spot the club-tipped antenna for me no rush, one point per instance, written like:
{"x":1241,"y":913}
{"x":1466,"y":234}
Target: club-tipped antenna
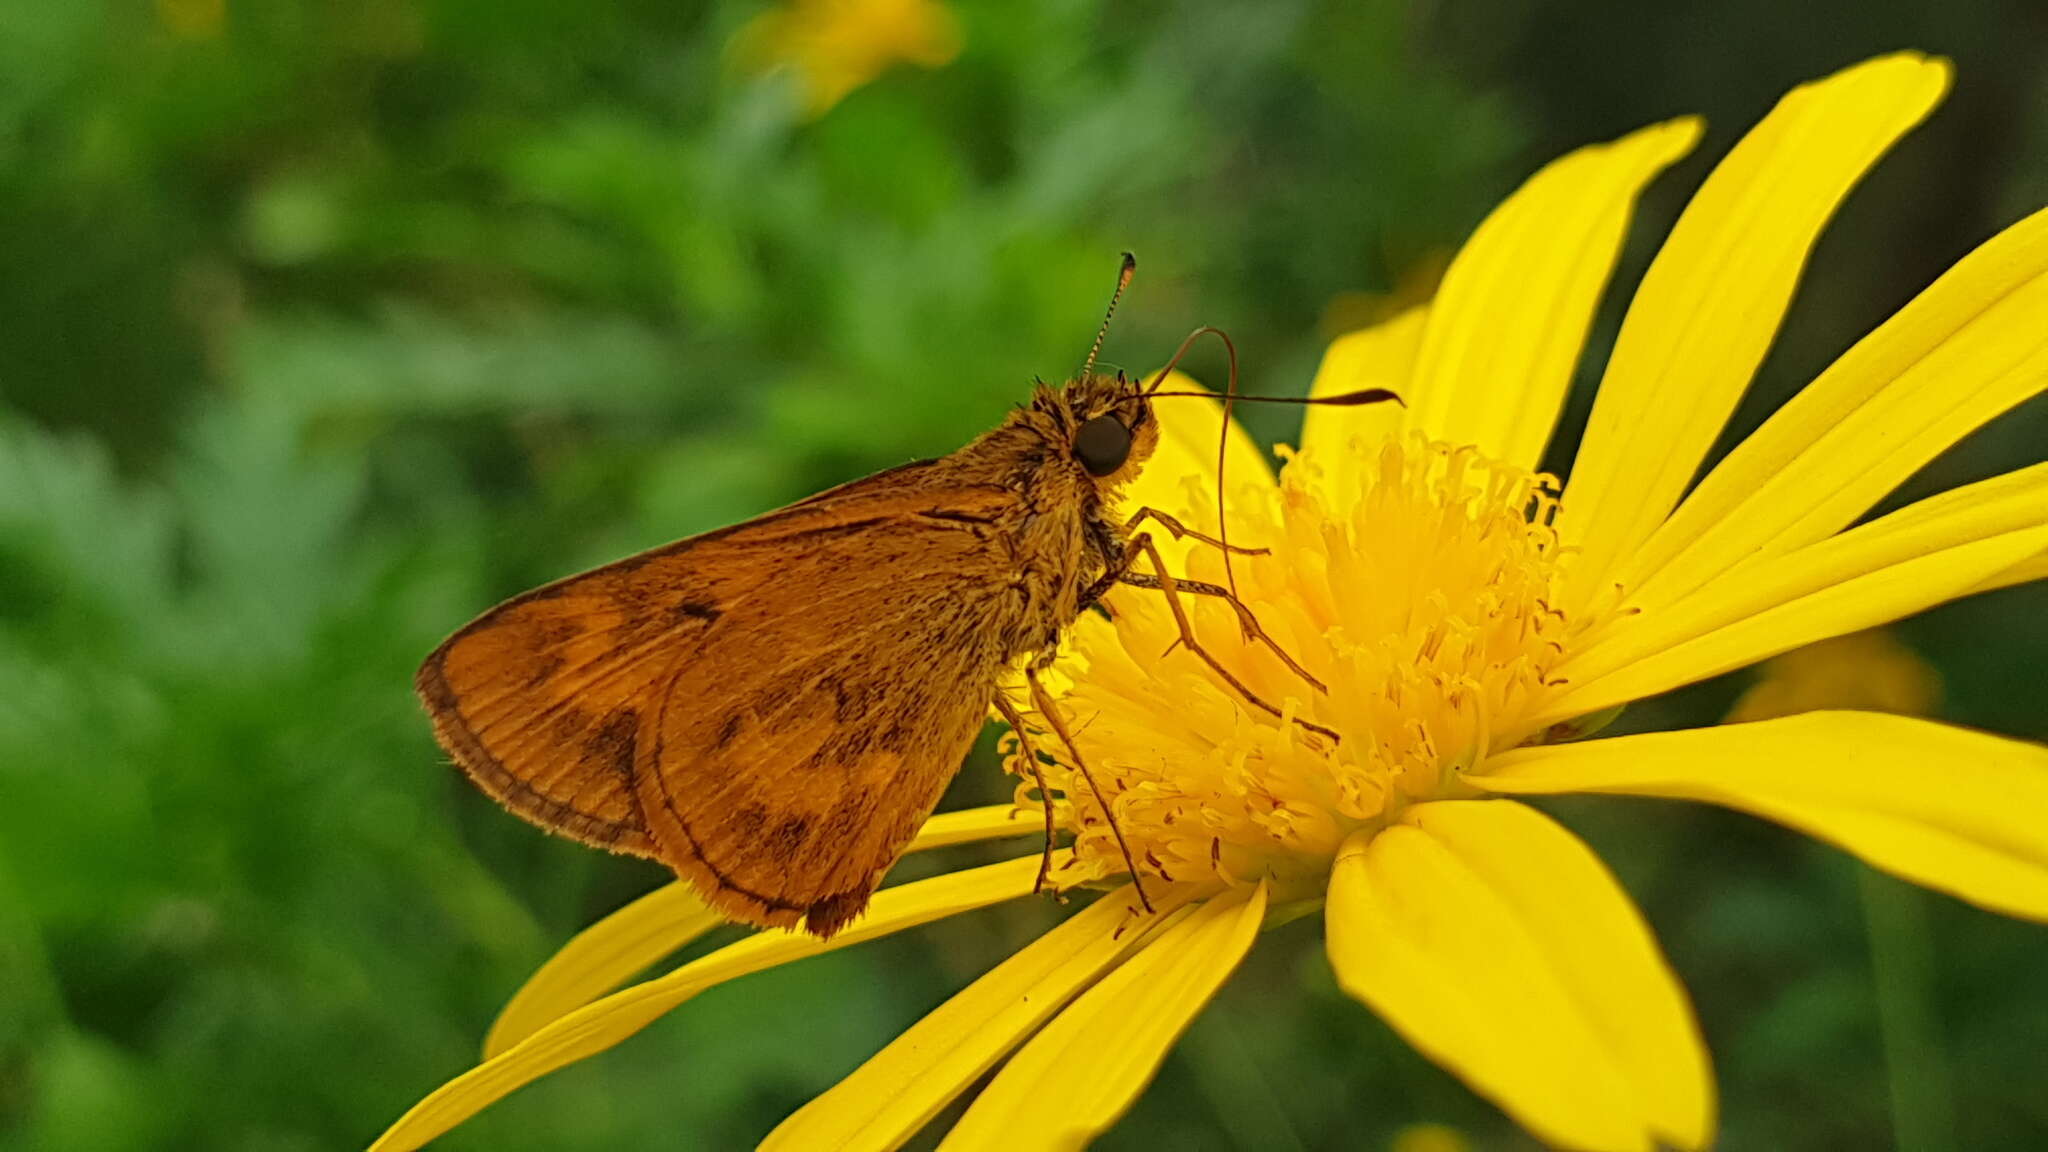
{"x":1124,"y":273}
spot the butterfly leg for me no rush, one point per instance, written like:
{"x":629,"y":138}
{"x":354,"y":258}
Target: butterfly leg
{"x":1121,"y":556}
{"x":1030,"y":754}
{"x":1125,"y":555}
{"x":1179,"y":530}
{"x":1043,"y":701}
{"x":1164,"y":581}
{"x":1246,"y":623}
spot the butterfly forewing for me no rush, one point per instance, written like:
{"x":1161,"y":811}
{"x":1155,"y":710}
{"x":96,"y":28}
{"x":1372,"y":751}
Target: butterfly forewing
{"x":771,"y":709}
{"x":539,"y":700}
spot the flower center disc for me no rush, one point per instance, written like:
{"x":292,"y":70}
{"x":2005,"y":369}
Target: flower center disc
{"x":1424,"y":597}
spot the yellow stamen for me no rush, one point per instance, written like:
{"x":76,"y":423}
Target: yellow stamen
{"x":1429,"y":608}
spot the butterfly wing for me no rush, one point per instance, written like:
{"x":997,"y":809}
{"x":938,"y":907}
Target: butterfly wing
{"x":771,"y":709}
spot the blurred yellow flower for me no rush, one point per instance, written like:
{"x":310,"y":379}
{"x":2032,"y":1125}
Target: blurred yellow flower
{"x":1429,"y":1138}
{"x":1465,"y":611}
{"x":835,"y":46}
{"x":1350,"y":311}
{"x":193,"y":19}
{"x":1870,"y":671}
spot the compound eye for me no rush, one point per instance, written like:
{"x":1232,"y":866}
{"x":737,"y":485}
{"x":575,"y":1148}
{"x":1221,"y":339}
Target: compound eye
{"x":1102,"y":445}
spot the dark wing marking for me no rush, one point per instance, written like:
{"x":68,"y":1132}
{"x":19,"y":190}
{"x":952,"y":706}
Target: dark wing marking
{"x":800,"y":753}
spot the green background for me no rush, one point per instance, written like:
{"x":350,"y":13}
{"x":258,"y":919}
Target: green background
{"x":322,"y":329}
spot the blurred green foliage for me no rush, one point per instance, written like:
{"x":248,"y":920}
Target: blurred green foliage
{"x":322,"y":326}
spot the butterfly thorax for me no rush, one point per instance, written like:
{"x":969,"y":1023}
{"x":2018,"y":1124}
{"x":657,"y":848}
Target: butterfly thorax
{"x":1059,"y":531}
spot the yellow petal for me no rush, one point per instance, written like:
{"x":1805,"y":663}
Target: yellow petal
{"x":1083,"y":1071}
{"x":973,"y":825}
{"x":1955,"y":810}
{"x":2025,"y":572}
{"x":1180,"y":477}
{"x":599,"y":959}
{"x":596,"y":1027}
{"x":609,"y":952}
{"x":1499,"y":946}
{"x":1922,"y":555}
{"x":892,"y":1096}
{"x":1504,"y":334}
{"x":1967,"y":349}
{"x":1712,"y":301}
{"x":1382,"y":356}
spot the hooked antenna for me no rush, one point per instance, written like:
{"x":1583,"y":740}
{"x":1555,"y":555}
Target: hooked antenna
{"x":1341,"y":400}
{"x":1123,"y":281}
{"x":1230,"y":396}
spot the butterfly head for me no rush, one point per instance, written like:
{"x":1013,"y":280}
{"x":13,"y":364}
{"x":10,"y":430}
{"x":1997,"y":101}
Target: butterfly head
{"x":1107,"y":426}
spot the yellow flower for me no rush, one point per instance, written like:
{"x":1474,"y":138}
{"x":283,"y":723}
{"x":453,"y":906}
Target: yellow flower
{"x":1870,"y":671}
{"x":1467,"y":615}
{"x":1414,"y":286}
{"x":192,"y":19}
{"x":835,"y":46}
{"x":1429,"y":1138}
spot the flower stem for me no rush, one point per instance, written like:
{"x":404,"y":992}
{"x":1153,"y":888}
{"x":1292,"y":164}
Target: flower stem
{"x":1901,"y":963}
{"x":1244,"y":1101}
